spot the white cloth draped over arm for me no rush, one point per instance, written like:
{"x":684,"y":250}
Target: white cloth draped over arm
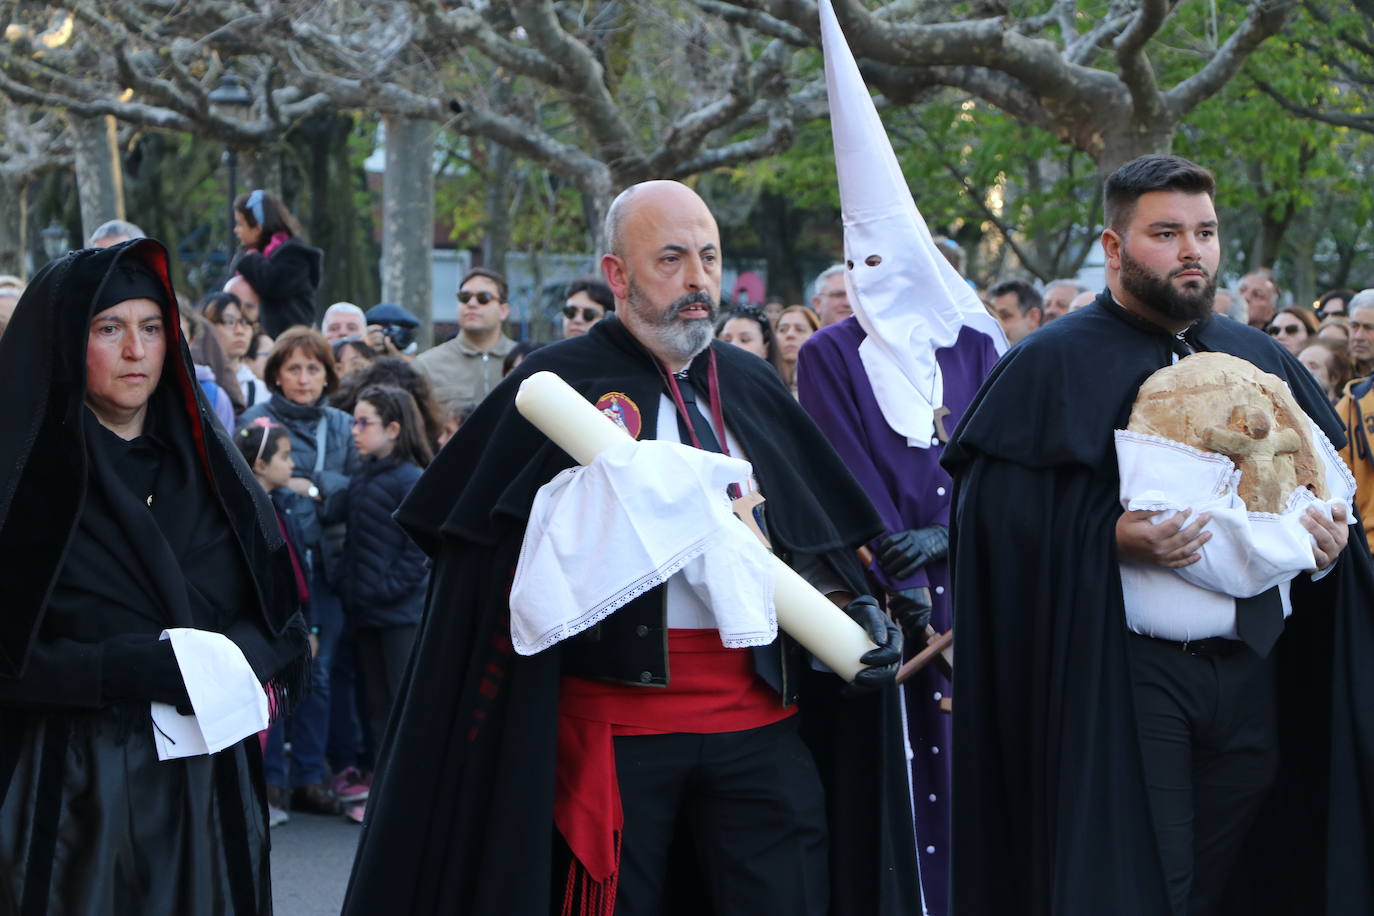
{"x":227,"y":701}
{"x":1249,"y":552}
{"x":601,"y":535}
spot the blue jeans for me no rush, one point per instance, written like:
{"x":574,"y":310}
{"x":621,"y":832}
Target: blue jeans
{"x":309,"y":724}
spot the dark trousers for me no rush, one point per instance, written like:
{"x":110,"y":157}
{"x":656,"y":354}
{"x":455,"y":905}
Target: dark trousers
{"x":754,"y":806}
{"x":382,"y":656}
{"x":1209,"y":740}
{"x":347,"y":745}
{"x":308,"y":727}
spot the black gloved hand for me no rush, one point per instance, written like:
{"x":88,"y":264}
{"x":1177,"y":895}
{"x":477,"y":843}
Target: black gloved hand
{"x":142,"y":667}
{"x":911,"y":608}
{"x":887,"y":636}
{"x":901,"y":555}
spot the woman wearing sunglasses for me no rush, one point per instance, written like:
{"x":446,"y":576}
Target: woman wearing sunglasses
{"x":282,"y":269}
{"x":1293,"y":327}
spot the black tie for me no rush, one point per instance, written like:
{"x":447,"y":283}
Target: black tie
{"x":705,"y":435}
{"x":1259,"y":621}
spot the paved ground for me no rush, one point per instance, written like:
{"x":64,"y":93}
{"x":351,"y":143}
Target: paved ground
{"x":311,"y":857}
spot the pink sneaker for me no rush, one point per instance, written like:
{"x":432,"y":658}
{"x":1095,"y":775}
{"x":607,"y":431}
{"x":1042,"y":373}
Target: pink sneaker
{"x":351,"y":785}
{"x":355,"y":812}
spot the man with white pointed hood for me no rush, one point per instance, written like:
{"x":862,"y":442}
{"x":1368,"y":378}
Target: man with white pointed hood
{"x":887,"y":386}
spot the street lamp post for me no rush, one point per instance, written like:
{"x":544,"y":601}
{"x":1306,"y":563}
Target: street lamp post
{"x":54,"y":241}
{"x":233,"y":99}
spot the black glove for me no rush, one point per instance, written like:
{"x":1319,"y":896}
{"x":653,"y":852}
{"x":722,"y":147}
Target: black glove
{"x":901,"y":555}
{"x":911,"y":608}
{"x":141,"y":667}
{"x":887,"y":636}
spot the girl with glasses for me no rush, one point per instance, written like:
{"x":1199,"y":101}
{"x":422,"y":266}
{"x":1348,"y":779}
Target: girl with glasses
{"x":384,"y":575}
{"x":235,"y":334}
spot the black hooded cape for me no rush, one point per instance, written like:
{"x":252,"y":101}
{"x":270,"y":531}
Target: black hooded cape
{"x":461,"y":813}
{"x":88,"y":564}
{"x":1050,"y":814}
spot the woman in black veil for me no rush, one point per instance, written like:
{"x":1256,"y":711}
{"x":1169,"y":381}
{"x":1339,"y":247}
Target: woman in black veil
{"x":125,"y":511}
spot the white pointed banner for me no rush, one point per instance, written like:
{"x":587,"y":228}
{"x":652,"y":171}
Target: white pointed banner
{"x":908,"y":298}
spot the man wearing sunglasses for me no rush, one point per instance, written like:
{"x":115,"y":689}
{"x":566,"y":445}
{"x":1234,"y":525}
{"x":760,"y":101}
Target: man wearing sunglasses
{"x":463,"y":370}
{"x":588,"y":301}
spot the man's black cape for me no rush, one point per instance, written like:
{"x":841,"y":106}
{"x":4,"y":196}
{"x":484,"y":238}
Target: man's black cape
{"x":1050,"y":809}
{"x":460,"y":818}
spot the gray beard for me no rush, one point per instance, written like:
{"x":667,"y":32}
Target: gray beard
{"x":681,"y":340}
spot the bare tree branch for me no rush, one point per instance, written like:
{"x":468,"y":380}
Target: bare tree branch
{"x":759,"y":21}
{"x":1137,"y":73}
{"x":1082,"y":49}
{"x":587,"y":92}
{"x":1265,"y":18}
{"x":1360,"y":122}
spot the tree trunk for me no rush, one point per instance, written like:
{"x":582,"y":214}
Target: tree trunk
{"x":12,"y":204}
{"x":334,"y":222}
{"x":1303,"y":283}
{"x":500,"y":162}
{"x":1272,"y":228}
{"x":260,"y":167}
{"x":408,"y":219}
{"x":777,"y":226}
{"x":99,"y":177}
{"x":1124,"y":139}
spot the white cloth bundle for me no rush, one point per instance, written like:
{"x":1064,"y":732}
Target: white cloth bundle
{"x":601,"y":535}
{"x":1249,"y":552}
{"x":228,"y":702}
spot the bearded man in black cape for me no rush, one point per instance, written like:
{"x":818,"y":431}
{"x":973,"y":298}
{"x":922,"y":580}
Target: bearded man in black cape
{"x":1099,"y":768}
{"x":125,"y":510}
{"x":462,"y":812}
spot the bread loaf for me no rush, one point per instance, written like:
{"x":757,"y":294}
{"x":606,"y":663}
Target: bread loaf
{"x":1221,"y":403}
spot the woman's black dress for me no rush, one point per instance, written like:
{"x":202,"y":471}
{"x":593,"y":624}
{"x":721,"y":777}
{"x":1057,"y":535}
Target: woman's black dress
{"x":108,"y":542}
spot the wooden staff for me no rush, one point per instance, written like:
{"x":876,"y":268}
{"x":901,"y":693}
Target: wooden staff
{"x":937,"y":644}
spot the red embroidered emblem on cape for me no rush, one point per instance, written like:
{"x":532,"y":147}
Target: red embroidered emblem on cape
{"x":623,"y":411}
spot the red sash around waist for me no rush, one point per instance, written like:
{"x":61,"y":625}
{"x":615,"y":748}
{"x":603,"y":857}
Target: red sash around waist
{"x":711,"y":689}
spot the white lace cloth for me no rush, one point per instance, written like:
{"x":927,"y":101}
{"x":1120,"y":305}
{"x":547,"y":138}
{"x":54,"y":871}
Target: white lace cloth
{"x":601,"y":535}
{"x":1248,"y":553}
{"x":228,"y":702}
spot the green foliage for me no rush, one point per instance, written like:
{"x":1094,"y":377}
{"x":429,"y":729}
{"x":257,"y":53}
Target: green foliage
{"x":1290,"y":188}
{"x":976,"y":175}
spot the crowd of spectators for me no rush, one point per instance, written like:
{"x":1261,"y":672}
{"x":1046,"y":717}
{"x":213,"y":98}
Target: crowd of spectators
{"x":337,"y":417}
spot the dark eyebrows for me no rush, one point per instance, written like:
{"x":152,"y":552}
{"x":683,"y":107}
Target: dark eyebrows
{"x":1172,"y":224}
{"x":112,"y":317}
{"x":674,"y":248}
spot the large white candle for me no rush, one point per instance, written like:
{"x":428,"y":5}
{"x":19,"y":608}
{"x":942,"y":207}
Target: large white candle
{"x":809,"y":617}
{"x":570,"y":420}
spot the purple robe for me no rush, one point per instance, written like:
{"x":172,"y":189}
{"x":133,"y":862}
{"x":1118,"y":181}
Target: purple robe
{"x":910,"y":490}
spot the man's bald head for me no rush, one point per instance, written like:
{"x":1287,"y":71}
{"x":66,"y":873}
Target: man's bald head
{"x":659,"y":196}
{"x":663,"y":264}
{"x":248,"y":296}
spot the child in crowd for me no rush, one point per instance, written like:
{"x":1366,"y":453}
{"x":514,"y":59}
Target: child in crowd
{"x":385,"y":574}
{"x":267,"y":449}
